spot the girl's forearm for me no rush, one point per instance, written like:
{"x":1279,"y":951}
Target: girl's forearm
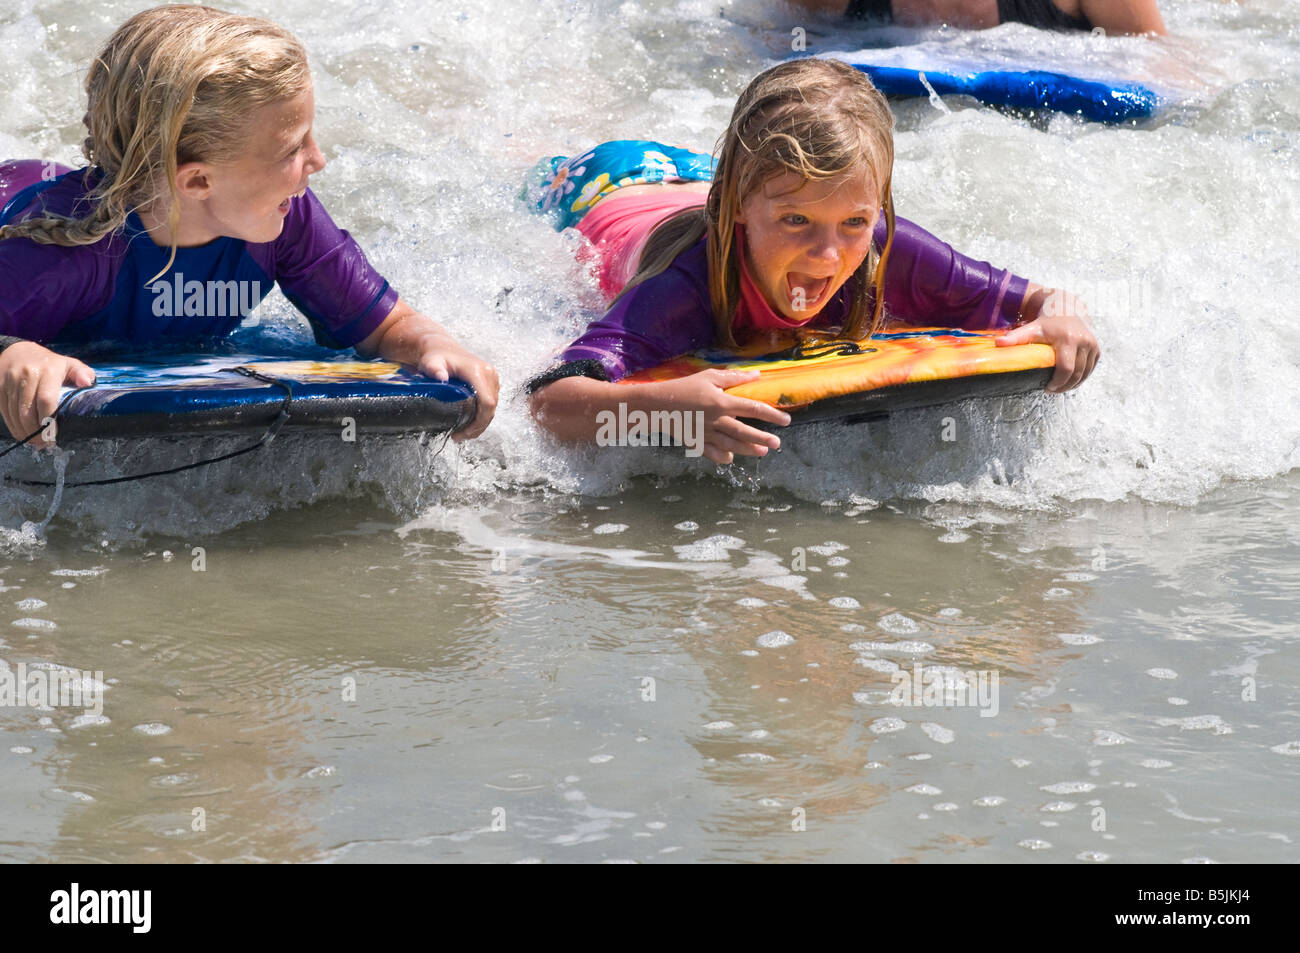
{"x":573,"y":409}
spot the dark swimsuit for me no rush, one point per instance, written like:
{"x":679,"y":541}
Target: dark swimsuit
{"x":1040,"y":13}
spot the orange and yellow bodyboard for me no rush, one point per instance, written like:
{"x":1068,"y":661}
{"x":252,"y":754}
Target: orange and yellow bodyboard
{"x":908,"y":362}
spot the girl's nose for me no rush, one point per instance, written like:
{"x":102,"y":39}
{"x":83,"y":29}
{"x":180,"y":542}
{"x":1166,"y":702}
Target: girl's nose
{"x":316,"y":158}
{"x":824,"y":247}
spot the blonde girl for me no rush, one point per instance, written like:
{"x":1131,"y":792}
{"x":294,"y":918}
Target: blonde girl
{"x":193,"y":203}
{"x":792,"y":229}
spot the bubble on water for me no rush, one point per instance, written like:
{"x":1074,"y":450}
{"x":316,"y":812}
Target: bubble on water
{"x":89,"y":720}
{"x":320,"y":771}
{"x":1021,"y":762}
{"x":1077,"y":576}
{"x":755,"y":756}
{"x":949,"y":612}
{"x":852,"y":627}
{"x":1197,"y":860}
{"x":990,"y":800}
{"x":775,"y":639}
{"x":873,"y":765}
{"x":938,"y":732}
{"x":1056,"y":592}
{"x":1198,"y":723}
{"x":1155,"y":763}
{"x":43,"y":624}
{"x":887,"y":725}
{"x":1175,"y":700}
{"x":719,"y":725}
{"x":600,"y":758}
{"x":945,"y":806}
{"x":686,"y":526}
{"x":1069,"y":787}
{"x":898,"y":624}
{"x":1033,"y":843}
{"x":171,"y":780}
{"x":97,"y":571}
{"x":845,"y":602}
{"x":672,"y":498}
{"x":836,"y":561}
{"x":1291,"y":748}
{"x":1162,"y":673}
{"x":877,"y":664}
{"x":927,"y":789}
{"x":606,"y":529}
{"x":1078,"y":638}
{"x":750,"y":652}
{"x":954,"y":536}
{"x":31,"y":605}
{"x":871,"y":697}
{"x":75,"y":795}
{"x":750,"y":602}
{"x":20,"y":749}
{"x":829,"y":548}
{"x":153,"y":728}
{"x":712,"y":549}
{"x":1058,"y":807}
{"x":909,"y":647}
{"x":1092,"y":856}
{"x":1102,"y":736}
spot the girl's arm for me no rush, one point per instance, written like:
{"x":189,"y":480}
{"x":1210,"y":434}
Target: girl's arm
{"x":570,"y":409}
{"x":411,"y":338}
{"x":1124,"y":16}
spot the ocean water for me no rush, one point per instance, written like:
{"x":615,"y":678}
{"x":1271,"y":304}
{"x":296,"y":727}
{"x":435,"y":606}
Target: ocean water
{"x":512,"y":651}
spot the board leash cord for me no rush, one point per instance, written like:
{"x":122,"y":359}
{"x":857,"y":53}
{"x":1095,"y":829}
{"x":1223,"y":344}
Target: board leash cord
{"x":271,"y":431}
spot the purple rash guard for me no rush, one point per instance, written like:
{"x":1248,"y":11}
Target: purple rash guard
{"x":98,"y":293}
{"x":927,"y":284}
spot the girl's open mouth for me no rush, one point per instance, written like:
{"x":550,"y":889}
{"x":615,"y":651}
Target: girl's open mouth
{"x":806,"y":291}
{"x":283,"y":207}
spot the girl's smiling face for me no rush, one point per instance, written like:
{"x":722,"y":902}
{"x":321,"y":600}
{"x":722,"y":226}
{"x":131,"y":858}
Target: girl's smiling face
{"x":803,"y":239}
{"x":260,"y":185}
{"x":250,"y":196}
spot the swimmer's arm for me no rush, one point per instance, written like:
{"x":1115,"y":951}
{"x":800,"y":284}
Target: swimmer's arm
{"x":571,"y":409}
{"x":408,"y":337}
{"x":1119,"y":17}
{"x":1056,"y":317}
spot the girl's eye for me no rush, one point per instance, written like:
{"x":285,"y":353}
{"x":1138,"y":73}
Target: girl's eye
{"x":856,"y":222}
{"x":795,"y":219}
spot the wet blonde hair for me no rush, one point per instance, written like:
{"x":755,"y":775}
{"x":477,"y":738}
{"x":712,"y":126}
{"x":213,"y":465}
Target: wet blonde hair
{"x":173,"y":84}
{"x":817,"y":118}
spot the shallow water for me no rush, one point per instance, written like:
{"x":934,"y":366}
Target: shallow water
{"x":1123,"y":558}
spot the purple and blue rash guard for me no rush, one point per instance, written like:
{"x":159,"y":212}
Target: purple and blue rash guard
{"x":98,"y":293}
{"x":927,"y":284}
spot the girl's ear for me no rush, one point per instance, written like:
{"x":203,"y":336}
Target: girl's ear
{"x":194,"y":180}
